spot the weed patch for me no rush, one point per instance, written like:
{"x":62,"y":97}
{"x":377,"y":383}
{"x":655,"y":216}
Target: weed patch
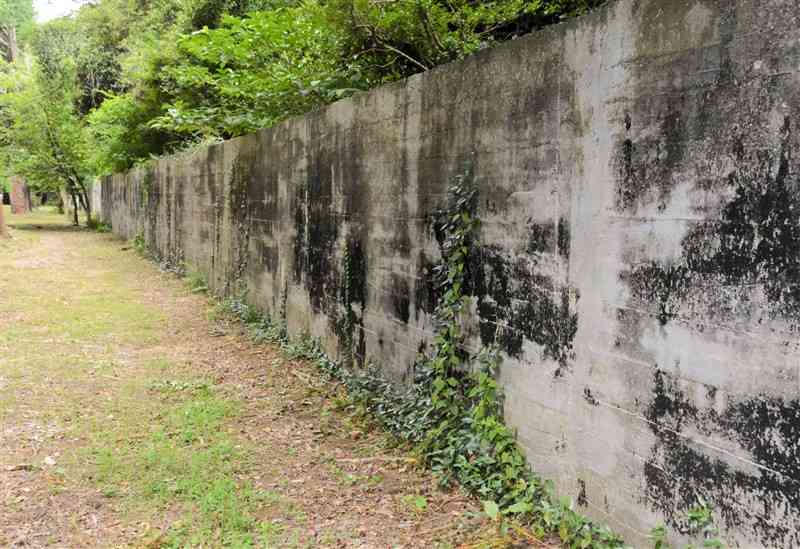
{"x":196,"y":282}
{"x":190,"y":463}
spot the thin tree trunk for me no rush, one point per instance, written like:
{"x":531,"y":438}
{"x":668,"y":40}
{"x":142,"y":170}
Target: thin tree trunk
{"x":87,"y":207}
{"x":75,"y":207}
{"x":13,"y":49}
{"x":8,"y":43}
{"x":83,"y":194}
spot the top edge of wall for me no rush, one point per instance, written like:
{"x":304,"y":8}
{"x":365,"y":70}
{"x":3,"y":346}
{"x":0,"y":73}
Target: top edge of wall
{"x":545,"y":33}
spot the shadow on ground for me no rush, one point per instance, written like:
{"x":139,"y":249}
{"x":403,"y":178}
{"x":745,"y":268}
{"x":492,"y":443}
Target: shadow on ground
{"x":51,"y":227}
{"x":44,"y":218}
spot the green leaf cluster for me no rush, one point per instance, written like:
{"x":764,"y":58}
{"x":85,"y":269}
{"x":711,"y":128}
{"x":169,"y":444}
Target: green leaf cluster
{"x":254,"y":71}
{"x":17,"y":14}
{"x":144,"y":78}
{"x":41,"y":137}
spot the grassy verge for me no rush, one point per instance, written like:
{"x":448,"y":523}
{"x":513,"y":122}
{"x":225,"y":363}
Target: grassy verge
{"x":83,"y":372}
{"x":188,"y":464}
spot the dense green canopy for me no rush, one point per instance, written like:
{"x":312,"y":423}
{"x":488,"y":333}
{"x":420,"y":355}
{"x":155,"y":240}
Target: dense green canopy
{"x":122,"y":81}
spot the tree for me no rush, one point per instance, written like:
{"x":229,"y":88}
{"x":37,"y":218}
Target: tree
{"x":41,"y":137}
{"x":255,"y":71}
{"x":244,"y":72}
{"x":122,"y":81}
{"x":15,"y":16}
{"x":399,"y":38}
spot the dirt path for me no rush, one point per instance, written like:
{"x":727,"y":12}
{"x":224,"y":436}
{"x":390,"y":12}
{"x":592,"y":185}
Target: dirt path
{"x":131,"y":416}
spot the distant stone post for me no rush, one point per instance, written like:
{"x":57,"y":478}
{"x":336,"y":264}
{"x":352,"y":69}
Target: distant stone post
{"x":20,"y":196}
{"x":3,"y":230}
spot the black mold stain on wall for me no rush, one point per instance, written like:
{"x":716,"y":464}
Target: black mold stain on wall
{"x":582,"y":500}
{"x":663,"y":285}
{"x":348,"y":324}
{"x":728,"y":136}
{"x":515,"y":301}
{"x":754,"y":241}
{"x":426,"y":291}
{"x":400,"y":296}
{"x":267,"y":256}
{"x":213,"y":189}
{"x":542,"y":237}
{"x":764,"y":500}
{"x":356,"y":273}
{"x":564,"y":239}
{"x":264,"y":214}
{"x":299,"y":214}
{"x":757,"y":238}
{"x":317,"y":231}
{"x":242,"y":179}
{"x":747,"y":253}
{"x":550,"y":238}
{"x":515,"y":304}
{"x":645,"y":167}
{"x":151,"y":194}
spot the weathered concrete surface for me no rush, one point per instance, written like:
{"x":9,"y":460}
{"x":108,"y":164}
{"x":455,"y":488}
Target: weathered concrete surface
{"x":96,"y":200}
{"x":640,"y":258}
{"x":20,"y":196}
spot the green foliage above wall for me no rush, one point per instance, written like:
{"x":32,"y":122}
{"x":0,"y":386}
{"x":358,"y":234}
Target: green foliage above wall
{"x":138,"y":79}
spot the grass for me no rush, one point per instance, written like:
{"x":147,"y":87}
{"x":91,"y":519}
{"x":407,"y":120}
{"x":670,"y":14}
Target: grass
{"x":155,"y":440}
{"x":64,"y":320}
{"x":124,"y":377}
{"x":46,"y":215}
{"x":187,"y":458}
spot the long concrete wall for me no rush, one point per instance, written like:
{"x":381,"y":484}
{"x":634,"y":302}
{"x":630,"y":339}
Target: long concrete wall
{"x":640,"y":249}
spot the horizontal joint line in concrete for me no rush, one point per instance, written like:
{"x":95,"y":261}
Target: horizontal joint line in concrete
{"x":698,"y":442}
{"x":686,"y":321}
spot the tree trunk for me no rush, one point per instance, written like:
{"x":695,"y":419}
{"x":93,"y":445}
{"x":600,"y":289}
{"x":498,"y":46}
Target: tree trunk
{"x":83,"y":195}
{"x":75,"y":207}
{"x":87,"y":206}
{"x":13,"y":50}
{"x":8,"y":43}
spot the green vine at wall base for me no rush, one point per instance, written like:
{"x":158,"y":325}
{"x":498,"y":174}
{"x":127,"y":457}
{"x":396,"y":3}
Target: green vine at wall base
{"x":452,"y":412}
